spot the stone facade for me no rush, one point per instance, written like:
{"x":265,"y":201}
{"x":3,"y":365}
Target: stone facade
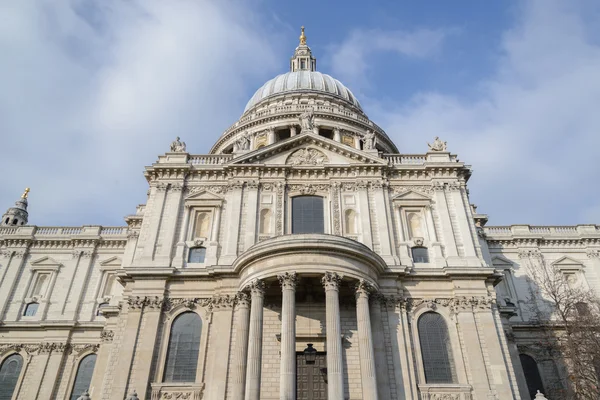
{"x":215,"y":238}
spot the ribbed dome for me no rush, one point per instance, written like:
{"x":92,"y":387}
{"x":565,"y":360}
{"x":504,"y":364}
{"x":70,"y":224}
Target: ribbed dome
{"x":302,"y":81}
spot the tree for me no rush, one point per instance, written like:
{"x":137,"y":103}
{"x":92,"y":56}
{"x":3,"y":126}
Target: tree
{"x":566,"y":314}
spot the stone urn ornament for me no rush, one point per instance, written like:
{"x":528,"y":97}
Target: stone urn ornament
{"x":133,"y":396}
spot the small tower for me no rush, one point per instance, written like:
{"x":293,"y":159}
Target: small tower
{"x":303,"y":60}
{"x":17,"y":215}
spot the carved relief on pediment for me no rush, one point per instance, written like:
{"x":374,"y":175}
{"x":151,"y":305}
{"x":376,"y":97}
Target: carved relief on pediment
{"x":307,"y":156}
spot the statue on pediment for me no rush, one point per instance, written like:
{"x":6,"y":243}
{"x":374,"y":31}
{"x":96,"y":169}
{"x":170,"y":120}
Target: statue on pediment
{"x":243,"y":141}
{"x":177,"y":146}
{"x":369,"y":140}
{"x":307,"y":121}
{"x":437,"y":145}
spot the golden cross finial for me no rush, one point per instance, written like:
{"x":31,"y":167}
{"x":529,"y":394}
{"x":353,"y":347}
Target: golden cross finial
{"x":25,"y":193}
{"x":302,"y":36}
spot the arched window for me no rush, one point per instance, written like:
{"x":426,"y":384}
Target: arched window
{"x":40,"y":285}
{"x":436,"y":349}
{"x":100,"y":307}
{"x":350,"y":220}
{"x":184,"y":347}
{"x":203,"y":225}
{"x":84,"y":376}
{"x":420,"y":255}
{"x":415,"y":225}
{"x":532,"y":375}
{"x":109,"y":285}
{"x":265,"y":221}
{"x":307,"y":214}
{"x":9,"y":375}
{"x":197,"y":255}
{"x":31,"y":309}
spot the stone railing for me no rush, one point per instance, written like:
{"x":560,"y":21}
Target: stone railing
{"x":64,"y":231}
{"x":557,"y":231}
{"x":211,"y":159}
{"x":397,"y":159}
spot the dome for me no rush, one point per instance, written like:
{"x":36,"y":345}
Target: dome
{"x":303,"y":81}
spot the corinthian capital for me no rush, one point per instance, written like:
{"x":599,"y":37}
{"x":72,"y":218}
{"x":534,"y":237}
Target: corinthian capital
{"x":364,"y":288}
{"x":257,"y":287}
{"x":331,"y":281}
{"x":288,"y":280}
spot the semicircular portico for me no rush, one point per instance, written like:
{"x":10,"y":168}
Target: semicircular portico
{"x":309,"y":255}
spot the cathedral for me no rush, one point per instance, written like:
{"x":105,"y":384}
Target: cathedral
{"x":304,"y":257}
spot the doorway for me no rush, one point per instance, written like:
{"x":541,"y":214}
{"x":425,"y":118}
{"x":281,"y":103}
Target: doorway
{"x":311,"y":378}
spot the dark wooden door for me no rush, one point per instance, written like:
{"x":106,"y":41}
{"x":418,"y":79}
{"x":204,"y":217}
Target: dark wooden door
{"x":312,"y":378}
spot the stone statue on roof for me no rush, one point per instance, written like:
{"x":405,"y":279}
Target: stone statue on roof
{"x":177,"y":146}
{"x":243,"y":141}
{"x":369,"y":140}
{"x":307,"y":121}
{"x":437,"y":145}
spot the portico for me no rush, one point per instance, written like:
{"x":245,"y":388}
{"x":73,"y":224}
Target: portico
{"x":352,"y":268}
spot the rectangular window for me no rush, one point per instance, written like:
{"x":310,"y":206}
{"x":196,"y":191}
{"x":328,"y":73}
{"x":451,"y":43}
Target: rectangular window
{"x":307,"y":214}
{"x":302,"y":64}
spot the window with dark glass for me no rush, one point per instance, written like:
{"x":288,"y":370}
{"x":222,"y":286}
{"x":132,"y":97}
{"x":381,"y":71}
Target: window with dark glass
{"x":532,"y":375}
{"x":85,"y":370}
{"x":184,"y":347}
{"x":307,"y":214}
{"x":197,"y":255}
{"x":420,"y":255}
{"x":9,"y":375}
{"x":583,"y":309}
{"x":31,"y":309}
{"x":436,"y":349}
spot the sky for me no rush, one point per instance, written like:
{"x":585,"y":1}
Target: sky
{"x":91,"y":92}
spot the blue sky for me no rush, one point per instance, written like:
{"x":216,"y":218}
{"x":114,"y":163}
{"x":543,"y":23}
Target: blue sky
{"x":94,"y":91}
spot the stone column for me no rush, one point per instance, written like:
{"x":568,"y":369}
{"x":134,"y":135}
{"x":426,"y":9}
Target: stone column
{"x":335,"y":368}
{"x":292,"y":130}
{"x":254,"y":364}
{"x":287,"y":370}
{"x":242,"y":310}
{"x":270,"y":136}
{"x":365,"y":341}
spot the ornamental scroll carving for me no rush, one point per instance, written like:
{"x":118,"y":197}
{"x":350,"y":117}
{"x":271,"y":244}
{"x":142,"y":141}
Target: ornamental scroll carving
{"x":307,"y":157}
{"x":216,"y":302}
{"x":308,"y":188}
{"x":280,"y":188}
{"x":455,"y":304}
{"x":337,"y":226}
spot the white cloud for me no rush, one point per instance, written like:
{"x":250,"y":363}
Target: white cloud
{"x":92,"y":91}
{"x":533,"y":133}
{"x":350,"y":59}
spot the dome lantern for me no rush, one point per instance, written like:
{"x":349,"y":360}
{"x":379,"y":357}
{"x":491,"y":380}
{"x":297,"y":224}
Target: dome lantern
{"x":303,"y":60}
{"x":17,"y":215}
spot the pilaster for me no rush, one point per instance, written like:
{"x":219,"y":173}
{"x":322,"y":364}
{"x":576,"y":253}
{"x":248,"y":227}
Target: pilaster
{"x":128,"y":339}
{"x":382,"y":214}
{"x":232,"y":223}
{"x":252,"y":214}
{"x":220,"y":337}
{"x":379,"y":349}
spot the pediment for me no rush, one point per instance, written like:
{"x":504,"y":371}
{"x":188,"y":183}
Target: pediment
{"x":202,"y":194}
{"x":111,"y":262}
{"x":306,"y":150}
{"x":45,"y":261}
{"x":567,"y":261}
{"x":501,"y":261}
{"x":412,"y":196}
